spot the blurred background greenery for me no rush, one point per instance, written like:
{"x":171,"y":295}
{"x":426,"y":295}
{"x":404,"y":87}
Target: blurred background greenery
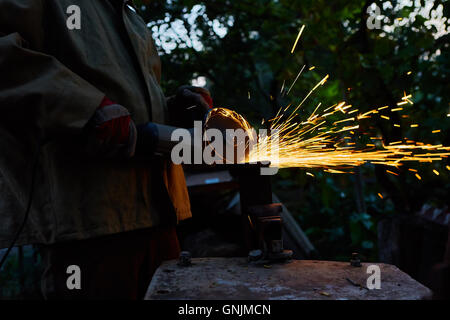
{"x":240,"y":50}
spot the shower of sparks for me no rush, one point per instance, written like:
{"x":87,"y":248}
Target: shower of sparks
{"x":319,"y":142}
{"x":329,"y":139}
{"x":332,"y":139}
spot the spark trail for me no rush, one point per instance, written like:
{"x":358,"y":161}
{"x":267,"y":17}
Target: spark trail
{"x":332,"y":138}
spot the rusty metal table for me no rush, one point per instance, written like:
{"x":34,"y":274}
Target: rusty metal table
{"x":235,"y":279}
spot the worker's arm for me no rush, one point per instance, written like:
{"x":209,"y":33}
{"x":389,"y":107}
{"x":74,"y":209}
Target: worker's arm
{"x":189,"y":104}
{"x":42,"y":97}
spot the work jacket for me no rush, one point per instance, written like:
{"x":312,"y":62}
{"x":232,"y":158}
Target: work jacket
{"x":52,"y":79}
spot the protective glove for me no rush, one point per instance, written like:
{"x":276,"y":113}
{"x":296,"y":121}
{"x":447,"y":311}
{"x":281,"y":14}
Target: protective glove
{"x":188,"y":105}
{"x":111,"y":132}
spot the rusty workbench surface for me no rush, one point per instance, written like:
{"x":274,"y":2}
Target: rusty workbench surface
{"x":234,"y":278}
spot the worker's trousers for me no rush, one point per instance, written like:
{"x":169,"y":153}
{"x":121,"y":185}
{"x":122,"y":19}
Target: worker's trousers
{"x":118,"y":266}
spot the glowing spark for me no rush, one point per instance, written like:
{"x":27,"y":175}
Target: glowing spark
{"x":380,"y":195}
{"x":320,"y":103}
{"x":396,"y":109}
{"x":324,"y":80}
{"x":418,"y":177}
{"x":250,"y":220}
{"x":397,"y":125}
{"x":339,"y":107}
{"x":414,"y":125}
{"x":312,"y":68}
{"x":282,"y":87}
{"x":298,"y":38}
{"x":345,"y":120}
{"x":296,"y":78}
{"x":406,"y":96}
{"x":385,"y":117}
{"x":405,"y":100}
{"x":310,"y":174}
{"x":435,"y":131}
{"x":412,"y":170}
{"x":395,"y":174}
{"x":435,"y":172}
{"x":409,"y":72}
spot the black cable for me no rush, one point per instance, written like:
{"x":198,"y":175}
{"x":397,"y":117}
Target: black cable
{"x":28,"y":209}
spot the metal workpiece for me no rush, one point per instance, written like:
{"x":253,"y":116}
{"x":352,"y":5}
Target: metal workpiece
{"x":261,"y":218}
{"x":236,"y":279}
{"x":266,"y":227}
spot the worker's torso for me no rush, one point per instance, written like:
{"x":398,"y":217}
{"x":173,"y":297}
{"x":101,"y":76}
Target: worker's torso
{"x":76,"y":197}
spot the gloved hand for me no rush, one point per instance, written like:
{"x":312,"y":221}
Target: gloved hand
{"x":111,"y":132}
{"x":188,"y":105}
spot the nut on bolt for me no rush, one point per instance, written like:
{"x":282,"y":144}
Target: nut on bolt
{"x":185,"y":259}
{"x":355,"y":261}
{"x":255,"y":255}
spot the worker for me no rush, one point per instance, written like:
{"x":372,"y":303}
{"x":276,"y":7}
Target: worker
{"x":78,"y":79}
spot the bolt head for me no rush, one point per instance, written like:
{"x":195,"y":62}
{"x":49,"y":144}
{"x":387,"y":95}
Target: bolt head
{"x":185,"y":258}
{"x":255,"y":255}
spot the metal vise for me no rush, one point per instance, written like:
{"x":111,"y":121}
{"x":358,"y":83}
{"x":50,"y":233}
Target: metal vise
{"x":261,"y":218}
